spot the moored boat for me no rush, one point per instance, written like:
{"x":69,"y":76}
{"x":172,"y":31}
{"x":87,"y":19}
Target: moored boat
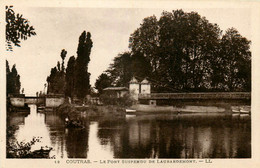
{"x":130,"y":111}
{"x":73,"y":123}
{"x":245,"y":109}
{"x":241,"y":109}
{"x":40,"y":108}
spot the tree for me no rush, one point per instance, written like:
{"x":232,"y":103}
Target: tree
{"x":124,"y":67}
{"x":51,"y":80}
{"x":140,"y":66}
{"x":120,"y":70}
{"x":56,"y":80}
{"x":187,"y":52}
{"x":13,"y":83}
{"x":17,"y":28}
{"x":82,"y":85}
{"x":235,"y":61}
{"x":102,"y":82}
{"x":70,"y":77}
{"x":63,"y":56}
{"x":145,"y":40}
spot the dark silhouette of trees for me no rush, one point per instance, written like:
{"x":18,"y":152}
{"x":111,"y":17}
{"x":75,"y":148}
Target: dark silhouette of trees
{"x":102,"y":82}
{"x":63,"y":56}
{"x":185,"y":52}
{"x":124,"y":67}
{"x":13,"y":84}
{"x":17,"y":28}
{"x":56,"y":80}
{"x":75,"y":80}
{"x":178,"y":47}
{"x":120,"y":71}
{"x":236,"y":61}
{"x":70,"y":77}
{"x":82,"y":85}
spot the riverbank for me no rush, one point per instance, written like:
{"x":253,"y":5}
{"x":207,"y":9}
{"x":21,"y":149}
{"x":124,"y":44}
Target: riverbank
{"x":191,"y":109}
{"x":73,"y":110}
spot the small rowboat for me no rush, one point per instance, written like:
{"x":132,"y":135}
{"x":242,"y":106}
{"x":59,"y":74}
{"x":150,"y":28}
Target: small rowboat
{"x":130,"y":111}
{"x":243,"y":110}
{"x":73,"y":124}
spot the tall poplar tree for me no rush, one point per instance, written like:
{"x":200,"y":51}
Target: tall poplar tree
{"x":70,"y":77}
{"x":82,"y":75}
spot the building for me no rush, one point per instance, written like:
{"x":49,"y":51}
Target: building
{"x":145,"y":87}
{"x":117,"y":91}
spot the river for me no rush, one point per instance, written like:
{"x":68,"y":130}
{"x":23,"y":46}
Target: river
{"x":141,"y":136}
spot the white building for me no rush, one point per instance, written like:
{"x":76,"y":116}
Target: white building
{"x":145,"y":87}
{"x":134,"y":88}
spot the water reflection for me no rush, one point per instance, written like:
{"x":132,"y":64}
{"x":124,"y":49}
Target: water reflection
{"x":141,"y":136}
{"x":26,"y":132}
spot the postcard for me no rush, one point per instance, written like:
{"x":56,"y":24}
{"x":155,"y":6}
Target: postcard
{"x":129,"y":84}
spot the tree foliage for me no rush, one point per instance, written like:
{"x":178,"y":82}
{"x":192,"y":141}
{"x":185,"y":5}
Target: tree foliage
{"x":56,"y":79}
{"x":70,"y":77}
{"x":103,"y":82}
{"x":81,"y":69}
{"x":185,"y":52}
{"x":17,"y":28}
{"x":235,"y":61}
{"x":120,"y":71}
{"x":13,"y":84}
{"x":74,"y":80}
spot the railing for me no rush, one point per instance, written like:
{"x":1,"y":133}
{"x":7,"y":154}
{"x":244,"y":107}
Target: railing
{"x":208,"y":95}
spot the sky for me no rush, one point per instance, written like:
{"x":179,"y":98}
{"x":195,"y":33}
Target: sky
{"x":110,"y":28}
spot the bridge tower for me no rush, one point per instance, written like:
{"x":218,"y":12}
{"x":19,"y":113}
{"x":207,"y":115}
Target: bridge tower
{"x":145,"y":87}
{"x":134,"y":88}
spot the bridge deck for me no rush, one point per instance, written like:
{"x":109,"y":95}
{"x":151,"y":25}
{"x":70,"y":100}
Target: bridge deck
{"x":208,"y":95}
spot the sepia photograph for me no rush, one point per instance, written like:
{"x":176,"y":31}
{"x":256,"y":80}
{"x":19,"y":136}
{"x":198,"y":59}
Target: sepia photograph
{"x":128,"y":85}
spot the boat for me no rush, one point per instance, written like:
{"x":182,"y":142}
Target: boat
{"x":73,"y":124}
{"x":130,"y":111}
{"x":241,"y":110}
{"x":40,"y":108}
{"x":42,"y":153}
{"x":235,"y":109}
{"x":245,"y":110}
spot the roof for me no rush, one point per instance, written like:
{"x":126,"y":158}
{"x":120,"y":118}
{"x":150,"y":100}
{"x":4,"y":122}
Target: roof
{"x":116,"y":88}
{"x":133,"y":80}
{"x":145,"y":81}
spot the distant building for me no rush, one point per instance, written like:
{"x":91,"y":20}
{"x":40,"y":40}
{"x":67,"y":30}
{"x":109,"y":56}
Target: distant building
{"x":118,"y":91}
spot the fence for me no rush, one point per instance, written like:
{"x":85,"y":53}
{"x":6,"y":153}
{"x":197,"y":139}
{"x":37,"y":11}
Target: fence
{"x":208,"y":95}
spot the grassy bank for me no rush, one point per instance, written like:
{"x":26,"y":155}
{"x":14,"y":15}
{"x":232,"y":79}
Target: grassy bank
{"x":73,"y":110}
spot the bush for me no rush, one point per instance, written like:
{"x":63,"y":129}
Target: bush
{"x":15,"y":149}
{"x":113,"y":99}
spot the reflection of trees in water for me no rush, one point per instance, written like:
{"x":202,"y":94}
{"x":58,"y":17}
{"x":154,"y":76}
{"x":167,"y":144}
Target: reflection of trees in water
{"x":56,"y":131}
{"x":74,"y":140}
{"x":178,"y":137}
{"x":109,"y":132}
{"x":77,"y":143}
{"x":16,"y":118}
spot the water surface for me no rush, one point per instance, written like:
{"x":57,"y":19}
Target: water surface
{"x":141,"y":136}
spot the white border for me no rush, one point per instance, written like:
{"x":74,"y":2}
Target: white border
{"x":254,"y":5}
